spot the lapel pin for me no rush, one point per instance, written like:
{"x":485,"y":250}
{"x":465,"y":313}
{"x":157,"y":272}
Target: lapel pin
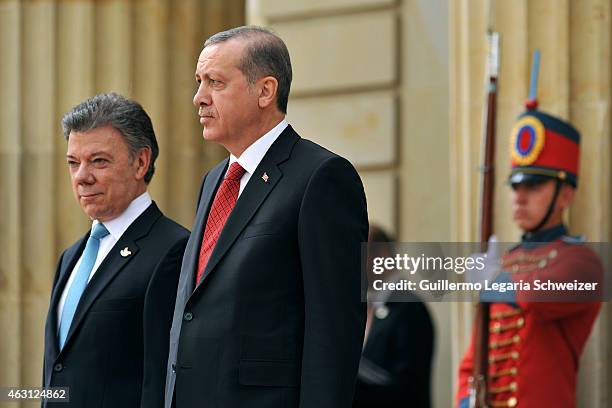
{"x":265,"y":177}
{"x":125,"y":252}
{"x":382,"y":312}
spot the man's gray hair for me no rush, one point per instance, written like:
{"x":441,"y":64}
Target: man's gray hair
{"x":265,"y":55}
{"x":123,"y":114}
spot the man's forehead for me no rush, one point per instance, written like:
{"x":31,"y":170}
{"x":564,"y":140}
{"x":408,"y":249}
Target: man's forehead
{"x":105,"y":137}
{"x":104,"y":130}
{"x":224,"y":52}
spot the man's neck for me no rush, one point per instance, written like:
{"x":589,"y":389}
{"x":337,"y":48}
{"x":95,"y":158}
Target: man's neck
{"x":555,"y":218}
{"x":252,"y":136}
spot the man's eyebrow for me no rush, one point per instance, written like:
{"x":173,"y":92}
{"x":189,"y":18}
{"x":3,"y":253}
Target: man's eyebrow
{"x":213,"y":72}
{"x":96,"y":153}
{"x":99,"y":153}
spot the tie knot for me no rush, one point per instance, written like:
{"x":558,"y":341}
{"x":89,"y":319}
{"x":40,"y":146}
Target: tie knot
{"x":99,"y":231}
{"x":235,"y":172}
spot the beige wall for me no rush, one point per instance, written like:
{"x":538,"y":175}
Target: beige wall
{"x":371,"y":84}
{"x":574,"y":40}
{"x":53,"y":55}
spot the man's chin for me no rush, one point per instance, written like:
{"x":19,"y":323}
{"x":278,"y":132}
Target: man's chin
{"x":92,"y":212}
{"x":525,"y":225}
{"x":91,"y":215}
{"x":210,"y":136}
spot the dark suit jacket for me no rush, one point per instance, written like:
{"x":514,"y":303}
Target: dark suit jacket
{"x":277,"y":320}
{"x":116,"y":350}
{"x":401,"y":344}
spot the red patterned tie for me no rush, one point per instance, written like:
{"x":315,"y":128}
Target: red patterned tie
{"x":221,"y":208}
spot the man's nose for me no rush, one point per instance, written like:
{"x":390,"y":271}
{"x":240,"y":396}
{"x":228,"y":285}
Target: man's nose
{"x":520,"y":194}
{"x":202,"y":96}
{"x":83,"y":175}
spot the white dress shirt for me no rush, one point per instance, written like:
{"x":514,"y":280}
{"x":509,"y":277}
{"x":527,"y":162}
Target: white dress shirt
{"x":251,"y":157}
{"x":116,"y":227}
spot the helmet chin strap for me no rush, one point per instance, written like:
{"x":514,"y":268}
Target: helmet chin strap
{"x":551,"y":207}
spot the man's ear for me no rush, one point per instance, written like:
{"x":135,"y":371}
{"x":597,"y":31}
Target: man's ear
{"x":141,"y":162}
{"x":566,"y":196}
{"x":268,"y":87}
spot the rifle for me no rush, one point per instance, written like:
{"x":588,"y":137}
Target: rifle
{"x":478,"y":381}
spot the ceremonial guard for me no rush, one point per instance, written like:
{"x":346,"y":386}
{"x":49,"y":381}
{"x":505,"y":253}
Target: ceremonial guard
{"x":536,"y":337}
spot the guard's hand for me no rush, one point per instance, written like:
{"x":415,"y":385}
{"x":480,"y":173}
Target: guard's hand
{"x":492,"y":265}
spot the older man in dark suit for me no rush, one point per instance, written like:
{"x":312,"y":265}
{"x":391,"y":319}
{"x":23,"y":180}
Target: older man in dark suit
{"x":106,"y":336}
{"x":268,"y":310}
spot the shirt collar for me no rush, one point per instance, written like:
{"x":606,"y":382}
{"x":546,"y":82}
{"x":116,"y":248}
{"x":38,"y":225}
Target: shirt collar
{"x":546,"y":235}
{"x":252,"y":156}
{"x":117,"y":226}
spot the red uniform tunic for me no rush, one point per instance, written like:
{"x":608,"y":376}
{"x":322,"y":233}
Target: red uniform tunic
{"x":535,"y":347}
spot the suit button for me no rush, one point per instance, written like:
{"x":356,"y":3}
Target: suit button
{"x":188,"y":317}
{"x":58,"y":367}
{"x":173,"y":368}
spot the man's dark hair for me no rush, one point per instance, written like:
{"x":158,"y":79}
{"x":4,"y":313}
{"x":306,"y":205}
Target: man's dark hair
{"x":123,"y":114}
{"x":265,"y":55}
{"x":377,"y":234}
{"x":376,"y":237}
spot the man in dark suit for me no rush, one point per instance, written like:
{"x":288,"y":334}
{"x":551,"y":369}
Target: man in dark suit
{"x":106,"y":336}
{"x":268,"y":310}
{"x":395,"y":366}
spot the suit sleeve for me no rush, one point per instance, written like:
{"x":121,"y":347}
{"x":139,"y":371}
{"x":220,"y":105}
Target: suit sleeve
{"x":415,"y":342}
{"x":408,"y":336}
{"x":157,"y":318}
{"x":55,"y":279}
{"x":332,"y":225}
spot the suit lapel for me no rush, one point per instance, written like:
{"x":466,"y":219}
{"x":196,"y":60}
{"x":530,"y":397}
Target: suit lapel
{"x":252,"y":197}
{"x":113,"y":263}
{"x":69,"y":260}
{"x":192,"y":252}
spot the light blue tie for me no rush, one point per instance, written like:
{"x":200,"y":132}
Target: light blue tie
{"x":80,"y":280}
